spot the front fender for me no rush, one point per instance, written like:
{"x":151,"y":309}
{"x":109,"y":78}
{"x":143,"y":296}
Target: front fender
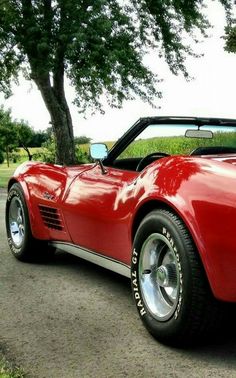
{"x":43,"y":186}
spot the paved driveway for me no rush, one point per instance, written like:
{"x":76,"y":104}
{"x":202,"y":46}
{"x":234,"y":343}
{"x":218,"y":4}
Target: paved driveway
{"x":72,"y":319}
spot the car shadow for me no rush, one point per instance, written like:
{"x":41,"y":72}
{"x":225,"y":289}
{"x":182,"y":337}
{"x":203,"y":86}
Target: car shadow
{"x":221,"y":346}
{"x":66,"y":259}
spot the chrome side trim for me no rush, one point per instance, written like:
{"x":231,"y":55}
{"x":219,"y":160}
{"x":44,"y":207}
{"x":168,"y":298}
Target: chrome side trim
{"x":104,"y":261}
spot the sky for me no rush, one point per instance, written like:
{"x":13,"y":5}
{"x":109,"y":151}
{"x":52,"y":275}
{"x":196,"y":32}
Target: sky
{"x":210,"y":94}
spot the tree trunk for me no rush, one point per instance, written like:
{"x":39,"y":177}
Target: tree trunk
{"x":57,"y":106}
{"x":28,"y":152}
{"x":7,"y":155}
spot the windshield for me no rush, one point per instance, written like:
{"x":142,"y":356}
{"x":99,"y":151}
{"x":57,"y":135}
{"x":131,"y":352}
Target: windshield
{"x":179,"y":140}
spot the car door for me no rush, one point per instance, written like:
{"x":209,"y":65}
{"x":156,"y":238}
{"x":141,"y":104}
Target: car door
{"x":98,"y":208}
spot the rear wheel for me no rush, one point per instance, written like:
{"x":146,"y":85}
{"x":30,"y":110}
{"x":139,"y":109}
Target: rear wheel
{"x":169,"y":284}
{"x":20,"y":239}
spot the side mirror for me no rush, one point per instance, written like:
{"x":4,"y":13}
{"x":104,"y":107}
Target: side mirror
{"x":98,"y":151}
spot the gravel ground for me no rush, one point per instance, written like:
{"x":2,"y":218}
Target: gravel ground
{"x":69,"y":318}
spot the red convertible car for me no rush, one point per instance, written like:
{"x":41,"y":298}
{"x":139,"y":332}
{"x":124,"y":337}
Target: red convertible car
{"x":159,"y":207}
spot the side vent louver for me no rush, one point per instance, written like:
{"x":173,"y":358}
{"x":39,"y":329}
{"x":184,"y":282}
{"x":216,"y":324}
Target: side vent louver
{"x":51,"y":217}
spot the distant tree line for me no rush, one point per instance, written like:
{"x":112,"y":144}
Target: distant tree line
{"x":15,"y":133}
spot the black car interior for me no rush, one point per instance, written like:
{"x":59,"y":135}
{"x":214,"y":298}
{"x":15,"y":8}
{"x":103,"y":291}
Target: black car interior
{"x":138,"y":163}
{"x":212,"y":150}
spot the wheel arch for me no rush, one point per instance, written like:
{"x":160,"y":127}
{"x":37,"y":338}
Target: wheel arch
{"x":146,"y":208}
{"x":11,"y":182}
{"x":24,"y":187}
{"x":155,"y":204}
{"x":33,"y":221}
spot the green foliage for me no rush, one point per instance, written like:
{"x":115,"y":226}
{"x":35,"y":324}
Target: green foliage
{"x":24,"y":133}
{"x":24,"y":136}
{"x":7,"y":370}
{"x":82,"y":140}
{"x":1,"y":157}
{"x":15,"y":134}
{"x":81,"y":155}
{"x":47,"y":153}
{"x":230,"y":38}
{"x":8,"y":135}
{"x":100,"y":44}
{"x":14,"y":157}
{"x":40,"y":137}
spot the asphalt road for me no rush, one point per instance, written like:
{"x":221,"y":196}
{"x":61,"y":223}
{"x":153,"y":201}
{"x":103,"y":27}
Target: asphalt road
{"x":69,"y":318}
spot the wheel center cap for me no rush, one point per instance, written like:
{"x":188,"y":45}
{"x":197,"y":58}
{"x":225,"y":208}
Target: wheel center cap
{"x":162,"y":276}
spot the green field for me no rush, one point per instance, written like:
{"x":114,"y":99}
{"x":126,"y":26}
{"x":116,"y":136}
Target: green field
{"x":177,"y":145}
{"x":6,"y":173}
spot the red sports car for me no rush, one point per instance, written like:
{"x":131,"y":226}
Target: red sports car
{"x":159,"y":207}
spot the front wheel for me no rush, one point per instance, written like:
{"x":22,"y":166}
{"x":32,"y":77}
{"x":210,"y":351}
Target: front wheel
{"x":169,"y":284}
{"x":20,"y":239}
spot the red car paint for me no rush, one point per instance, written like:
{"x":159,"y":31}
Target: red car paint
{"x":99,"y":211}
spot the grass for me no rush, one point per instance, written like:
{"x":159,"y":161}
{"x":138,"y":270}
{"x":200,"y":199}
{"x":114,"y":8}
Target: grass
{"x":6,"y":173}
{"x":7,"y":370}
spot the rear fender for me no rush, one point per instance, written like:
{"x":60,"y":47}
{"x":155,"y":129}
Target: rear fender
{"x":200,"y":192}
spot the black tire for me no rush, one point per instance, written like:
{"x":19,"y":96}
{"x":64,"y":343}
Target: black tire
{"x":169,"y":284}
{"x":20,"y":239}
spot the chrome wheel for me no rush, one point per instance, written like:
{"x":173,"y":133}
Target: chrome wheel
{"x":159,"y":276}
{"x":16,"y":222}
